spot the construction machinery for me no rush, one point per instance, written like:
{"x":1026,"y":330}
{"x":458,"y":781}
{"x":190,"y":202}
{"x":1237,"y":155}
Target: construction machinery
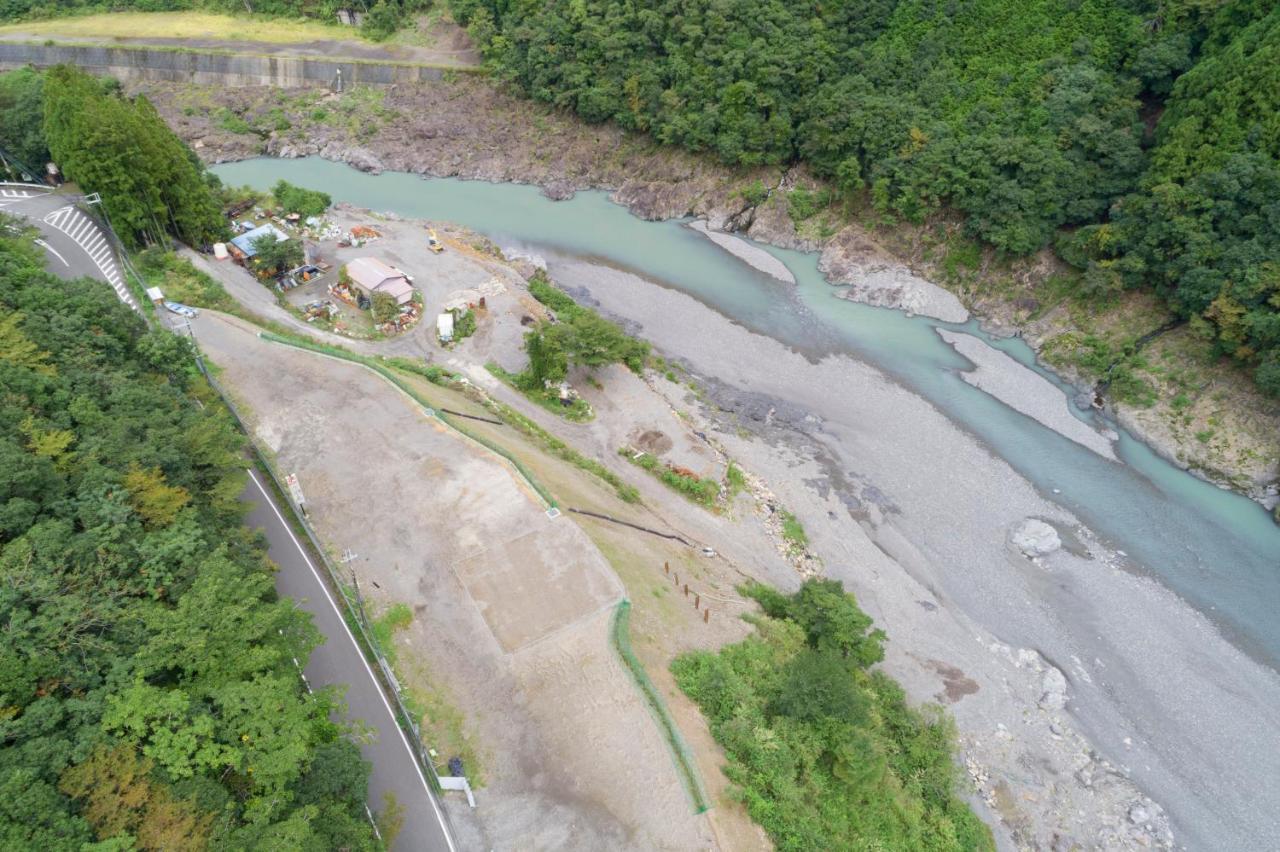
{"x":433,"y":242}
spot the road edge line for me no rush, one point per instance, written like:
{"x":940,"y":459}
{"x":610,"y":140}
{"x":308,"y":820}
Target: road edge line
{"x":385,"y":703}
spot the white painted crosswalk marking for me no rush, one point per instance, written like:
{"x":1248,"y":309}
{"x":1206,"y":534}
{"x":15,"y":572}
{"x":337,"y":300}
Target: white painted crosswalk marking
{"x":85,"y":233}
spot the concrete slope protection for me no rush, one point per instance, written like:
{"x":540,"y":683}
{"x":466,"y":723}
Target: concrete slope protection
{"x":339,"y":661}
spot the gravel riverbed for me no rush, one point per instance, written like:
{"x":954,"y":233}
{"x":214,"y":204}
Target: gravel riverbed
{"x":1080,"y":686}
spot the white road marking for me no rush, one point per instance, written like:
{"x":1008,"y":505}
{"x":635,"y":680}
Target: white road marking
{"x":86,"y":234}
{"x":359,"y":653}
{"x":53,"y":251}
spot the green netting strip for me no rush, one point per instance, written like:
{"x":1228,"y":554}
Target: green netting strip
{"x":621,"y":638}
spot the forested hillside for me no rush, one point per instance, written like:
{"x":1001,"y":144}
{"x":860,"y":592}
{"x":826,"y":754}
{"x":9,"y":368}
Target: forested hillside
{"x":1139,"y":137}
{"x":151,"y":184}
{"x":148,"y":692}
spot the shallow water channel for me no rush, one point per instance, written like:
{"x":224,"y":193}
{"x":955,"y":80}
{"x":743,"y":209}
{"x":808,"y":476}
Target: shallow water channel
{"x":1218,"y":550}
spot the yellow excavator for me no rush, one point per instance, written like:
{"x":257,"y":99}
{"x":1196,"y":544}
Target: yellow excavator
{"x":433,"y":242}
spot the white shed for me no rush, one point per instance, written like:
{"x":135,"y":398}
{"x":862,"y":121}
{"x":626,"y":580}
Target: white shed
{"x":444,"y":327}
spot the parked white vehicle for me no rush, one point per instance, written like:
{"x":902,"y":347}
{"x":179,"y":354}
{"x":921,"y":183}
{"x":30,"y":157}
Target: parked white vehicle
{"x":181,"y":310}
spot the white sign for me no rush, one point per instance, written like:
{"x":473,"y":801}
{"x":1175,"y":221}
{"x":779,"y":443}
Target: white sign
{"x":295,"y":490}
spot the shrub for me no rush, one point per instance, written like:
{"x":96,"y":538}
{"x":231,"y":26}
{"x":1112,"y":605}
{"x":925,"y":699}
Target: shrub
{"x":296,"y":199}
{"x":825,"y":753}
{"x":385,"y":308}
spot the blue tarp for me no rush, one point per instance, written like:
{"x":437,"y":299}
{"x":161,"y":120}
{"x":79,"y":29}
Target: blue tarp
{"x":244,"y":242}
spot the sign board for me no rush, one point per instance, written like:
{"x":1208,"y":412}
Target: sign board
{"x":295,"y":490}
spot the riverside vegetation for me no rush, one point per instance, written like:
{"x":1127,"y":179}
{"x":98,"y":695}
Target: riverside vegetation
{"x":824,"y":751}
{"x":1137,"y":138}
{"x":150,"y":693}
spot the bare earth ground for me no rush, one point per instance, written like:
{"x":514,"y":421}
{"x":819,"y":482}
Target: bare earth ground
{"x":664,"y":622}
{"x":1026,"y":758}
{"x":1219,"y":427}
{"x":511,"y":608}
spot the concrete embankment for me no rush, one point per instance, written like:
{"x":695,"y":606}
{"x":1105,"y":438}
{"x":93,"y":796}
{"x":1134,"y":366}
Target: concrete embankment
{"x":214,"y":67}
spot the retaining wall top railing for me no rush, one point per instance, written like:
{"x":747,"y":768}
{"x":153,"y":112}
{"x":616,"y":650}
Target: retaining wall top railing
{"x":212,"y":65}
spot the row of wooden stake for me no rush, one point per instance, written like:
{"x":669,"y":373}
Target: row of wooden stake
{"x":697,"y":598}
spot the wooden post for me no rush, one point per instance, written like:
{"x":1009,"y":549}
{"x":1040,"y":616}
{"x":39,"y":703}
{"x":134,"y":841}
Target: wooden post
{"x":677,"y":579}
{"x":666,"y":567}
{"x":686,"y":590}
{"x":697,"y":600}
{"x":706,"y":614}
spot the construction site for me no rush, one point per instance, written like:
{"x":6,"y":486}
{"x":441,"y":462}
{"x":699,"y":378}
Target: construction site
{"x":514,"y":652}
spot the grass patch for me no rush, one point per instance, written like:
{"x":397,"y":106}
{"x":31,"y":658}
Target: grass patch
{"x":701,"y":491}
{"x":397,"y":617}
{"x":578,"y":410}
{"x":734,"y":479}
{"x":443,"y":725}
{"x":558,"y":448}
{"x":182,"y":282}
{"x":1117,"y":364}
{"x":232,"y":123}
{"x":186,"y":25}
{"x":793,"y":532}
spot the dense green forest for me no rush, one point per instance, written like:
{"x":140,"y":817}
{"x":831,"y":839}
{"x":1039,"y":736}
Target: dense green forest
{"x":1139,"y":137}
{"x":151,"y":183}
{"x":825,"y":752}
{"x":149,"y":697}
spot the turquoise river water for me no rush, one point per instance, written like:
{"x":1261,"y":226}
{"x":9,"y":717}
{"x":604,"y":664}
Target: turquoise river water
{"x":1218,"y":550}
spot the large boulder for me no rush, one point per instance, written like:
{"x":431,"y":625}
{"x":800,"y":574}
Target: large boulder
{"x":1035,"y":538}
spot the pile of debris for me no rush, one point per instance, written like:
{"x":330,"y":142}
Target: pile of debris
{"x":474,"y":297}
{"x":358,"y":235}
{"x":409,"y":315}
{"x":321,"y":310}
{"x":343,"y":293}
{"x":320,"y":228}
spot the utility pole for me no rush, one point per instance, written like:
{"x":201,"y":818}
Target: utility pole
{"x":348,"y":558}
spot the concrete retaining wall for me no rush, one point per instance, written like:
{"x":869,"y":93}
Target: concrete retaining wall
{"x":127,"y":63}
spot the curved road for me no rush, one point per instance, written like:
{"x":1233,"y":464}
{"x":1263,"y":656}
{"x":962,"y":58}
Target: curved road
{"x":75,"y":247}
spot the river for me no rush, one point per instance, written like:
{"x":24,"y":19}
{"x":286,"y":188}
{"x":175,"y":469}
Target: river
{"x":1217,"y":550}
{"x":1183,"y":698}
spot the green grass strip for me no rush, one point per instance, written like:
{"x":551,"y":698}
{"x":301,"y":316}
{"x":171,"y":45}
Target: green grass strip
{"x":621,"y":637}
{"x":373,"y":364}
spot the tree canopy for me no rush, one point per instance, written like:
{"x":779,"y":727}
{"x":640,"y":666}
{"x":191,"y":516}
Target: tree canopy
{"x":297,"y":199}
{"x":824,"y":752}
{"x":1034,"y":118}
{"x":147,"y":678}
{"x":150,"y":182}
{"x":275,"y":256}
{"x":22,"y":118}
{"x":580,"y":337}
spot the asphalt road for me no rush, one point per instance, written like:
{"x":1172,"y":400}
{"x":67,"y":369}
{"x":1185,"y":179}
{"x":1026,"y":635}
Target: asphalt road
{"x":339,"y":661}
{"x":74,"y":248}
{"x":74,"y":245}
